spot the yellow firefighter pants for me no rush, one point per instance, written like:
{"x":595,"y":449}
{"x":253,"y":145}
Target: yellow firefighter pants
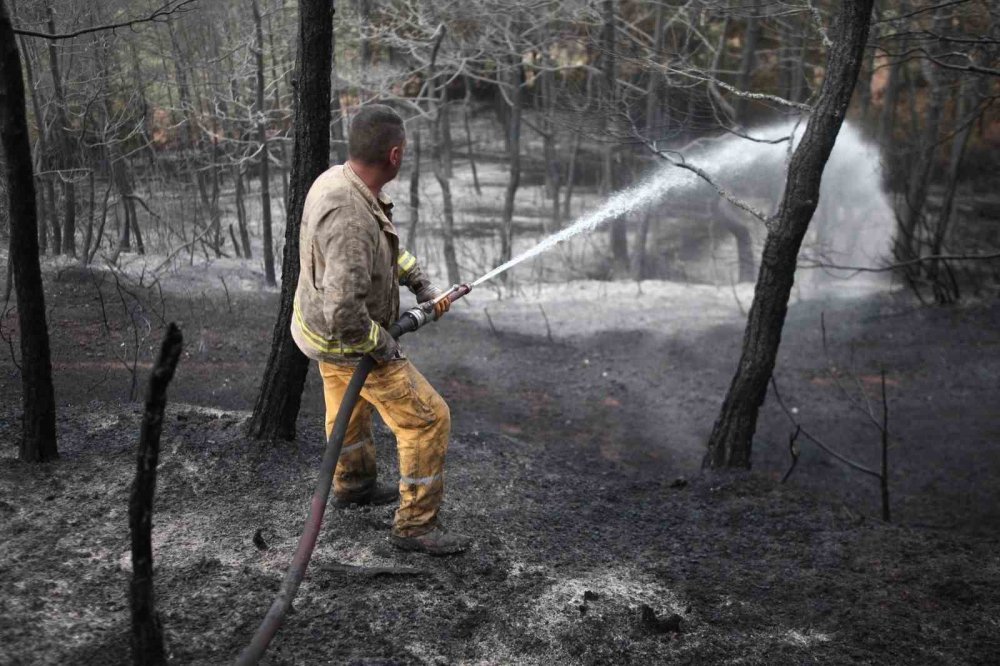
{"x":420,"y":419}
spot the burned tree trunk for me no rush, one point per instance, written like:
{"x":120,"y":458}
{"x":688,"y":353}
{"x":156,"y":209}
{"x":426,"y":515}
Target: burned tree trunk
{"x":265,"y":174}
{"x":748,"y":59}
{"x":280,"y":394}
{"x":440,"y":159}
{"x":730,"y":219}
{"x":68,"y":244}
{"x":731,"y":440}
{"x":618,"y":237}
{"x":514,"y":157}
{"x":38,"y":440}
{"x":241,"y":212}
{"x":411,"y":234}
{"x":147,"y":634}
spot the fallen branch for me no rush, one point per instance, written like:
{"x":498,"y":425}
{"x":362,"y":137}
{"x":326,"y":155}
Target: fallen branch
{"x":147,"y":632}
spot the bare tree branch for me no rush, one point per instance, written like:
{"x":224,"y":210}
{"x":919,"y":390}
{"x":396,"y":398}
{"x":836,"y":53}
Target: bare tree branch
{"x":172,"y":7}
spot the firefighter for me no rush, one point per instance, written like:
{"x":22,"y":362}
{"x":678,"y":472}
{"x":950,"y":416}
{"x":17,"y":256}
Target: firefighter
{"x":351,"y":267}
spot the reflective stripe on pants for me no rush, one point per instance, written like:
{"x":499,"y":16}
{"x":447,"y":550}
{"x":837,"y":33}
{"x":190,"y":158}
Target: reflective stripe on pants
{"x":419,"y":418}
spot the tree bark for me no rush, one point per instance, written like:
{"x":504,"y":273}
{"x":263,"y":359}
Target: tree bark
{"x":147,"y":632}
{"x":910,"y":240}
{"x":887,"y":118}
{"x":280,"y":395}
{"x":44,"y":182}
{"x":468,"y":138}
{"x":411,"y":234}
{"x":653,"y":131}
{"x":731,"y":441}
{"x":441,"y":157}
{"x":38,"y":439}
{"x":966,"y":103}
{"x":574,"y":155}
{"x":730,"y":219}
{"x":364,"y":9}
{"x":265,"y":175}
{"x":514,"y":160}
{"x":618,"y":233}
{"x":748,"y":60}
{"x":241,"y":213}
{"x":68,"y":244}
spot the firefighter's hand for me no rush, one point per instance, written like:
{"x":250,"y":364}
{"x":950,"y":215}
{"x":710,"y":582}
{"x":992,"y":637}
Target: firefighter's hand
{"x":441,"y":307}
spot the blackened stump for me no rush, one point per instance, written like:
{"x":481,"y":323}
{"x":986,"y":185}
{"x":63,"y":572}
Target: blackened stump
{"x":147,"y":633}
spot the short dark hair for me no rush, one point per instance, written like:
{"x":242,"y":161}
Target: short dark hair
{"x":373,"y":132}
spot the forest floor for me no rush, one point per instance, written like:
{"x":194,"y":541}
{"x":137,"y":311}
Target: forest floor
{"x":574,"y":464}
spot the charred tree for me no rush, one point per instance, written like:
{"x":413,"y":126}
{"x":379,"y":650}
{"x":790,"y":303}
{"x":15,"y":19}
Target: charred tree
{"x":411,"y":234}
{"x":46,"y":188}
{"x":514,"y":160}
{"x":38,"y":438}
{"x":265,"y":175}
{"x":68,"y":244}
{"x":280,"y":395}
{"x":619,"y":238}
{"x":731,"y":440}
{"x":147,"y":633}
{"x":748,"y":59}
{"x":440,"y":159}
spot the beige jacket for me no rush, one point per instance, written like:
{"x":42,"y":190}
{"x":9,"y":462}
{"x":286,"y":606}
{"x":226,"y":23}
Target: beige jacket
{"x":351,"y":267}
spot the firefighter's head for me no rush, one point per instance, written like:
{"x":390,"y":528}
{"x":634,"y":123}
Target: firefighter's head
{"x":377,"y":139}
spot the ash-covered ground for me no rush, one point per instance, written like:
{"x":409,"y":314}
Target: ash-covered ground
{"x":574,"y":464}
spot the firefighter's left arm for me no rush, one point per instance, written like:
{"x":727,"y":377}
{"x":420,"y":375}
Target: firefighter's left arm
{"x":412,"y":276}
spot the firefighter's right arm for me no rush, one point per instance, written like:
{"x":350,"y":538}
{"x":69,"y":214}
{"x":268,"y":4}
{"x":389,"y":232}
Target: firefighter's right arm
{"x":348,"y":243}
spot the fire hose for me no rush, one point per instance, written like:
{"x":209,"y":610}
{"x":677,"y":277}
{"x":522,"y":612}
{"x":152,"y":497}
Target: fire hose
{"x":410,"y":321}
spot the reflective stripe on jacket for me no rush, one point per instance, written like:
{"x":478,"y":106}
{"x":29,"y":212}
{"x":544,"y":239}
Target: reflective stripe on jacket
{"x":350,"y":269}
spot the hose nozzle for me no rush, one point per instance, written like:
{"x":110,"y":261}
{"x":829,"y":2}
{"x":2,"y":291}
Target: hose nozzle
{"x":456,"y":292}
{"x":416,"y":317}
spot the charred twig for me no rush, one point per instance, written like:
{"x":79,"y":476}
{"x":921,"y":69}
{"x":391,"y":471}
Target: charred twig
{"x":147,"y":632}
{"x":884,"y":480}
{"x":229,"y":302}
{"x":793,"y":451}
{"x":486,"y":311}
{"x":100,"y":299}
{"x":9,"y":339}
{"x":736,"y":296}
{"x":134,"y":368}
{"x":815,"y":440}
{"x":548,"y":327}
{"x":882,"y":474}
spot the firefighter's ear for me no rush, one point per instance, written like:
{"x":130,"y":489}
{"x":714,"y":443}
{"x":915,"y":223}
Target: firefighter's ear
{"x":396,"y":155}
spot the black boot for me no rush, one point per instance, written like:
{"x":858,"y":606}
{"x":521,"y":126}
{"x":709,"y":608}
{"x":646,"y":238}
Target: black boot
{"x":377,"y":495}
{"x":438,"y":541}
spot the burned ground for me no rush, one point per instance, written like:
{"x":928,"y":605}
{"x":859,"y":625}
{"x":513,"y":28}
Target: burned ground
{"x":574,"y":464}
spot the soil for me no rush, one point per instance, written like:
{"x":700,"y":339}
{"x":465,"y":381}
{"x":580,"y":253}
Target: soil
{"x":574,"y":464}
